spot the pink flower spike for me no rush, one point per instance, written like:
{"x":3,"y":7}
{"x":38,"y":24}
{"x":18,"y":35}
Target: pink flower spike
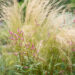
{"x":15,"y":53}
{"x":10,"y":32}
{"x":34,"y":54}
{"x":22,"y":39}
{"x":25,"y":67}
{"x":18,"y":36}
{"x":69,"y":42}
{"x":73,"y":50}
{"x":33,"y":47}
{"x":12,"y":38}
{"x":38,"y":51}
{"x":74,"y":20}
{"x":21,"y":32}
{"x":18,"y":30}
{"x":15,"y":34}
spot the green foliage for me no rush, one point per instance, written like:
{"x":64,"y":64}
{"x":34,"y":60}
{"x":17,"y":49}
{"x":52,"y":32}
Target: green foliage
{"x":72,"y":4}
{"x":73,"y":1}
{"x":3,"y":36}
{"x":21,"y":2}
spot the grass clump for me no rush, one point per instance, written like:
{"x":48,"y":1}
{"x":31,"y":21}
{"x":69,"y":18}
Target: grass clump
{"x":39,"y":44}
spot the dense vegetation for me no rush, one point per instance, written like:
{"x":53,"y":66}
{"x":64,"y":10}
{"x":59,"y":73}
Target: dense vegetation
{"x":38,"y":38}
